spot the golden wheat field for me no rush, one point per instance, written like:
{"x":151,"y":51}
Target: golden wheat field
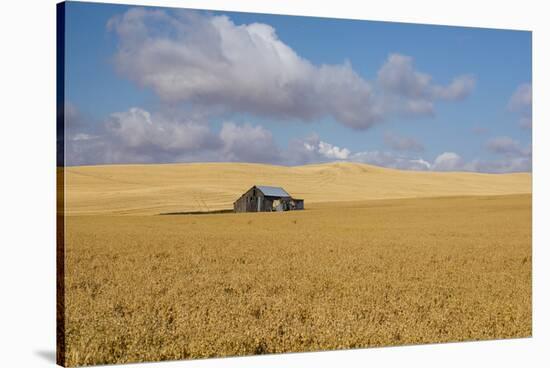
{"x":448,"y":259}
{"x":153,"y":189}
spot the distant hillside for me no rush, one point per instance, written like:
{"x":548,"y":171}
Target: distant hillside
{"x":153,"y":189}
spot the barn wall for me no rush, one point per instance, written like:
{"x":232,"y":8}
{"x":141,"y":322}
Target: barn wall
{"x":248,"y":202}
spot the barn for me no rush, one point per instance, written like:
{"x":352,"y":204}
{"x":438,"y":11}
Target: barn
{"x":262,"y":198}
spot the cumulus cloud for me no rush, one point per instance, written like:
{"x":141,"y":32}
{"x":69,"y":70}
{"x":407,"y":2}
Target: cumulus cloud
{"x":448,"y":161}
{"x":83,"y":137}
{"x":333,"y":152}
{"x":138,"y":136}
{"x":513,"y":157}
{"x":458,"y":89}
{"x":188,"y":56}
{"x":135,"y":129}
{"x":419,"y":164}
{"x":398,"y":75}
{"x":411,"y":92}
{"x":390,"y":160}
{"x":401,"y":143}
{"x":247,"y":143}
{"x":209,"y":60}
{"x":312,"y":149}
{"x":522,"y":98}
{"x":303,"y":150}
{"x":505,"y":145}
{"x":501,"y":165}
{"x":521,"y":102}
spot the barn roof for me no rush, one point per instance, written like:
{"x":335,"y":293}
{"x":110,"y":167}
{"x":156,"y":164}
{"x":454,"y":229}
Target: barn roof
{"x":272,"y":191}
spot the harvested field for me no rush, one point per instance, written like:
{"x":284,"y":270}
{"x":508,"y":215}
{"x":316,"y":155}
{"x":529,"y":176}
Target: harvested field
{"x":341,"y":274}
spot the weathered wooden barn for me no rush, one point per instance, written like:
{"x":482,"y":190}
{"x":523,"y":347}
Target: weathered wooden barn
{"x":261,"y":198}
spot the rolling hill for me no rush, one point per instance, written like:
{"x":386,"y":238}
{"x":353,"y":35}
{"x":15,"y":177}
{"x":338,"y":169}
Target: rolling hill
{"x":160,"y":188}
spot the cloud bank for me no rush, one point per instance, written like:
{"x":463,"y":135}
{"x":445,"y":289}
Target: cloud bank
{"x":138,"y":136}
{"x":521,"y":102}
{"x":411,"y":92}
{"x":209,"y":60}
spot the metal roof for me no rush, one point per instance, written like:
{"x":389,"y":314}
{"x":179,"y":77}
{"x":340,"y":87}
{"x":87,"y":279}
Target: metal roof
{"x":272,"y":191}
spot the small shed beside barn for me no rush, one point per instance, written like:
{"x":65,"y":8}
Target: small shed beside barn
{"x":262,"y":198}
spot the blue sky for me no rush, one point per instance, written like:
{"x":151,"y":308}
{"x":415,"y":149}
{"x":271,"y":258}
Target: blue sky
{"x":147,"y":85}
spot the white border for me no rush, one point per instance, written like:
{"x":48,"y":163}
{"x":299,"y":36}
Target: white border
{"x":27,"y":148}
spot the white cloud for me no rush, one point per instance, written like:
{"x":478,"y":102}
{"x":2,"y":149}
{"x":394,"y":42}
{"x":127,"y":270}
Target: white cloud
{"x":420,"y":164}
{"x":135,"y":128}
{"x":513,"y":157}
{"x":333,"y":152}
{"x":138,"y":136}
{"x":448,"y":161}
{"x":209,"y":60}
{"x":83,"y":137}
{"x":245,"y":68}
{"x":399,"y":76}
{"x":501,"y":165}
{"x":522,"y":98}
{"x":312,"y":149}
{"x":391,"y":160}
{"x":521,"y":102}
{"x":247,"y":143}
{"x":458,"y":89}
{"x":504,"y":145}
{"x":410,"y":92}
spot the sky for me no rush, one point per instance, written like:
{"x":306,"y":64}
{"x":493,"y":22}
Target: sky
{"x":162,"y":85}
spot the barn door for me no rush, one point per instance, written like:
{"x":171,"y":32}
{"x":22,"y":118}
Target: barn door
{"x":259,"y":202}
